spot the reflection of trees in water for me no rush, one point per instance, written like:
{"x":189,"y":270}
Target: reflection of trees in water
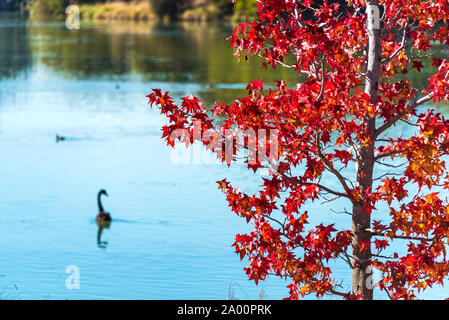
{"x":80,"y":53}
{"x":184,"y":52}
{"x":420,"y":79}
{"x":15,"y":56}
{"x":111,"y":51}
{"x":11,"y":4}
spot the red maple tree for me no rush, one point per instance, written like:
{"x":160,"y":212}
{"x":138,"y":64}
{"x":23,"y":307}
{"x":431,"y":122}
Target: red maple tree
{"x":338,"y":121}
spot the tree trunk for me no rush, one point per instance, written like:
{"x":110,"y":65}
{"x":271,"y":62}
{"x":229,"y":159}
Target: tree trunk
{"x":361,"y":220}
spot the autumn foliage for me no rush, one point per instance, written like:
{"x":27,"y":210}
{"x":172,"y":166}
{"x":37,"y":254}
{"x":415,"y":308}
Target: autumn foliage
{"x":373,"y":135}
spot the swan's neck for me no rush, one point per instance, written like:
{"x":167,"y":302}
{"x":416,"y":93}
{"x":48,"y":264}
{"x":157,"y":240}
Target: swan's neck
{"x":100,"y":207}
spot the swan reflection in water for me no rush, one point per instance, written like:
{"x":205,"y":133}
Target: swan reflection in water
{"x":103,"y":219}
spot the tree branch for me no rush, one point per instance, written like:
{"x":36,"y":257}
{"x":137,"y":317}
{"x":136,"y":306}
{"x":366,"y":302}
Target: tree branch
{"x":332,"y":169}
{"x":381,"y":234}
{"x":393,"y":120}
{"x":388,"y":154}
{"x":402,"y":47}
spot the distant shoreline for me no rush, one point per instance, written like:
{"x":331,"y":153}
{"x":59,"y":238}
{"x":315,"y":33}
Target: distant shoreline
{"x":141,"y":11}
{"x":138,"y":10}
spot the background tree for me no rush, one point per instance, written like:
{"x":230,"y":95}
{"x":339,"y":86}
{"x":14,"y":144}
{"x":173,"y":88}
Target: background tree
{"x":166,"y":7}
{"x":245,"y":8}
{"x":336,"y":122}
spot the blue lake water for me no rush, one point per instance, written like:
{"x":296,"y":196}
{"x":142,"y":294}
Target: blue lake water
{"x":172,"y":231}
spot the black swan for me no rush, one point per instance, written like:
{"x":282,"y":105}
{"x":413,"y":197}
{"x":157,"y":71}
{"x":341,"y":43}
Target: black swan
{"x":102,"y":216}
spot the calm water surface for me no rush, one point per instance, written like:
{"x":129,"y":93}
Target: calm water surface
{"x":172,"y":231}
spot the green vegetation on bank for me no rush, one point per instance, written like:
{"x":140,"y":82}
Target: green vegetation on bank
{"x":245,"y":10}
{"x":117,"y":10}
{"x":207,"y":10}
{"x":41,"y":9}
{"x":193,"y":10}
